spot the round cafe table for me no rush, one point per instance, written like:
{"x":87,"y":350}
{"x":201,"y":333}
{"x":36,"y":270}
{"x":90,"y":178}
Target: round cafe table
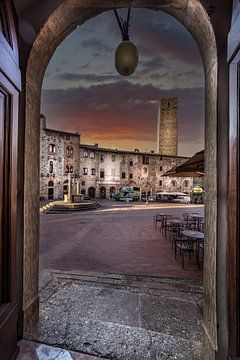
{"x":197,"y":236}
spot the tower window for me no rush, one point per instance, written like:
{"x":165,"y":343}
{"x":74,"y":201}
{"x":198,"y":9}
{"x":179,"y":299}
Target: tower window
{"x":145,"y":160}
{"x":52,"y":148}
{"x":51,"y":167}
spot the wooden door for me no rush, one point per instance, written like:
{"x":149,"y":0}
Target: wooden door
{"x":9,"y":99}
{"x":234,"y":203}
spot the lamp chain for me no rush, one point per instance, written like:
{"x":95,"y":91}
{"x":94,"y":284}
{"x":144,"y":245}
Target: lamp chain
{"x":123,"y":25}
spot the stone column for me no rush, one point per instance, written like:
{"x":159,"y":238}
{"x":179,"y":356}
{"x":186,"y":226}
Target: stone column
{"x":78,"y":186}
{"x":69,"y":187}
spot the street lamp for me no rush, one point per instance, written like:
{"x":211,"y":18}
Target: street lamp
{"x":126,"y":55}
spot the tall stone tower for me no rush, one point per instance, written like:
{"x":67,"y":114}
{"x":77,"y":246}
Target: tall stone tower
{"x":167,"y":129}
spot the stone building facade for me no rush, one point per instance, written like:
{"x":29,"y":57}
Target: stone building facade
{"x":101,"y":172}
{"x":59,"y":159}
{"x":167,"y":128}
{"x":107,"y":170}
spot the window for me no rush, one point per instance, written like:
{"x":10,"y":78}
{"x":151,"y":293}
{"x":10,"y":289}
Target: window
{"x":92,"y":155}
{"x":52,"y":148}
{"x":160,"y":182}
{"x":112,"y":172}
{"x":101,"y":174}
{"x":113,"y":157}
{"x":66,"y":137}
{"x":93,"y":171}
{"x":85,"y":171}
{"x":186,"y":183}
{"x":85,"y":153}
{"x":131,"y":163}
{"x":50,"y":183}
{"x":69,"y":150}
{"x":160,"y":157}
{"x":173,"y":183}
{"x":69,"y":169}
{"x":124,"y":159}
{"x":130,"y":176}
{"x":123,"y":175}
{"x":82,"y":183}
{"x":51,"y":167}
{"x":145,"y":170}
{"x":145,"y":159}
{"x":160,"y":168}
{"x":101,"y":157}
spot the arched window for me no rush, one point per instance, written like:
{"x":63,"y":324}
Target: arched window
{"x":174,"y":183}
{"x":69,"y":150}
{"x":186,"y":184}
{"x":52,"y":148}
{"x":50,"y":183}
{"x":83,"y":183}
{"x":69,"y":169}
{"x":51,"y":167}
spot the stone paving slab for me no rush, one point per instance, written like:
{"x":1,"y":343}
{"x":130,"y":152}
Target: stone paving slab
{"x":105,"y":321}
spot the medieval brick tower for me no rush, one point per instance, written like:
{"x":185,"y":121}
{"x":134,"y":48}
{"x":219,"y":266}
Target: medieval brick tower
{"x":167,"y":130}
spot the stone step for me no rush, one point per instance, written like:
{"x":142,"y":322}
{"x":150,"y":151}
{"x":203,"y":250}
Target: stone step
{"x":145,"y":318}
{"x":63,"y":208}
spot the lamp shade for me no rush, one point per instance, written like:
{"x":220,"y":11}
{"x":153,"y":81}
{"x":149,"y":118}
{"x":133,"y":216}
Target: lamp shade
{"x":126,"y":58}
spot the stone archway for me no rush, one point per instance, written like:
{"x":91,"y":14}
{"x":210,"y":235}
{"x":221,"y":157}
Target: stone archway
{"x":61,"y":23}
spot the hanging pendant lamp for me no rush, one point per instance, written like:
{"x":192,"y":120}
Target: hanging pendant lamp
{"x":126,"y":54}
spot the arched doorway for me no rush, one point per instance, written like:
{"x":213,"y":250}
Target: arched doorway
{"x":50,"y":190}
{"x":91,"y":192}
{"x":195,"y":18}
{"x":112,"y":192}
{"x":65,"y":187}
{"x":83,"y":191}
{"x":103,"y":192}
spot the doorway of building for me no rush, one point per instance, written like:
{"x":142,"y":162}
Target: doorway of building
{"x":91,"y":192}
{"x":102,"y":192}
{"x":50,"y":190}
{"x":209,"y":44}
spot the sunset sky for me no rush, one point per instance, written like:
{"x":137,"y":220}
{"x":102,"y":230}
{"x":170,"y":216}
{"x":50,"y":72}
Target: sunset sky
{"x":83,"y":92}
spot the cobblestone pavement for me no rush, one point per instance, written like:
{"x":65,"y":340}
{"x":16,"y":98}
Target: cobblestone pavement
{"x":118,"y":238}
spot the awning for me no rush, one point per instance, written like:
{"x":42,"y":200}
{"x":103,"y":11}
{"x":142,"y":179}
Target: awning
{"x":194,"y":167}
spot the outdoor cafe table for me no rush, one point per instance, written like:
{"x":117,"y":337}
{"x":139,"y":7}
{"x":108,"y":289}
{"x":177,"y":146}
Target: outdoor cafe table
{"x":197,"y":236}
{"x":197,"y":217}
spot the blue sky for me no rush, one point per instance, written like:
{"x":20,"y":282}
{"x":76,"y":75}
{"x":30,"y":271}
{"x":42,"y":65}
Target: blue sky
{"x":83,"y":92}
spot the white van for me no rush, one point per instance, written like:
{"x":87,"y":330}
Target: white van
{"x":182,"y":199}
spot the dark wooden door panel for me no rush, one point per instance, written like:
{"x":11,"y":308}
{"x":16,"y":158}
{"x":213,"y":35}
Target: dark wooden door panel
{"x":8,"y":197}
{"x":10,"y":83}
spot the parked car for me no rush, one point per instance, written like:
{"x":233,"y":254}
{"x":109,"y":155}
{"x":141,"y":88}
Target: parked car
{"x":151,"y":198}
{"x":182,"y":199}
{"x":86,"y":197}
